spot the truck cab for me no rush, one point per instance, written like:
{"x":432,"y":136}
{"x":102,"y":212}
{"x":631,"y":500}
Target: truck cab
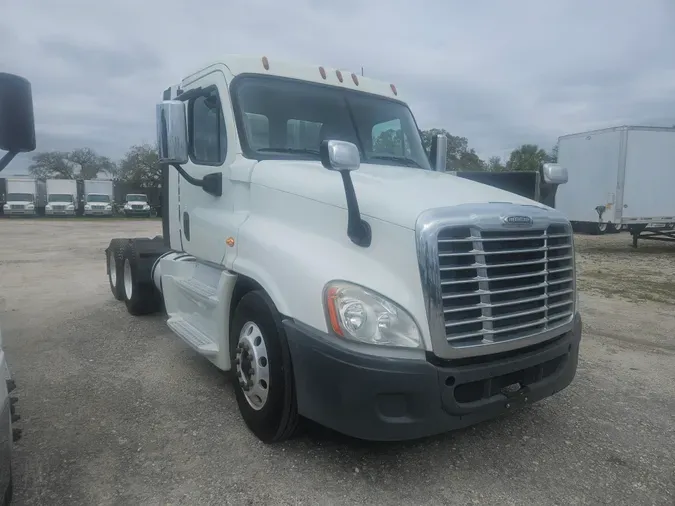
{"x":311,"y":248}
{"x":136,"y":204}
{"x":97,"y":204}
{"x":17,"y":135}
{"x":21,"y":197}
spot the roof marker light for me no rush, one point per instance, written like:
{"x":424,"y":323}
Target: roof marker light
{"x":355,"y":79}
{"x":266,"y":63}
{"x":393,"y":89}
{"x":322,"y":71}
{"x":339,"y":75}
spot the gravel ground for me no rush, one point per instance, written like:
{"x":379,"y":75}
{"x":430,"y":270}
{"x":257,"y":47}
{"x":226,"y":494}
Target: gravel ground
{"x":115,"y":410}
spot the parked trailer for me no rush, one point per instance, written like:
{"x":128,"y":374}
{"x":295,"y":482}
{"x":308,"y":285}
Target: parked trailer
{"x":384,"y":301}
{"x":98,"y":197}
{"x":61,"y":197}
{"x":620,"y":177}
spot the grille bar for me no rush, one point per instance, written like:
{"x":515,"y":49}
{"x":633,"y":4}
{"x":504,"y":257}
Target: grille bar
{"x":504,"y":284}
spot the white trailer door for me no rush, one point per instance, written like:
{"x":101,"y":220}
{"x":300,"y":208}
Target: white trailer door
{"x":649,"y":183}
{"x":592,"y":162}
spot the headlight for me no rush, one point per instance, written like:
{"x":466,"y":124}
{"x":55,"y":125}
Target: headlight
{"x":146,"y":206}
{"x":127,"y":206}
{"x":87,"y":207}
{"x":48,"y":207}
{"x":6,"y":206}
{"x":108,"y":207}
{"x":30,"y":206}
{"x":361,"y":315}
{"x":70,"y":207}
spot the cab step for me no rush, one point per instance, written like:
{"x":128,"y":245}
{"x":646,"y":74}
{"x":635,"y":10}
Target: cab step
{"x":192,"y":335}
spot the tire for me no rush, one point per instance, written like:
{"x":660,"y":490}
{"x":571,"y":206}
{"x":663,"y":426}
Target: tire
{"x":613,"y":229}
{"x":114,"y":262}
{"x":139,"y":293}
{"x":9,"y":491}
{"x":669,"y":226}
{"x":257,"y":333}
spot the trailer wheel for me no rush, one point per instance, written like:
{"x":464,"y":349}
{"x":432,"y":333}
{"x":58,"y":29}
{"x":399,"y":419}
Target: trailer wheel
{"x":262,"y":370}
{"x":114,"y":261}
{"x":139,"y":293}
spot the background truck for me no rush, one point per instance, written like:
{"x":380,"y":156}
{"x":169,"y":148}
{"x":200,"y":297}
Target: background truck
{"x":62,"y":198}
{"x":136,"y":204}
{"x":23,"y":197}
{"x":98,"y":197}
{"x":17,"y":135}
{"x":619,"y":177}
{"x":337,"y":280}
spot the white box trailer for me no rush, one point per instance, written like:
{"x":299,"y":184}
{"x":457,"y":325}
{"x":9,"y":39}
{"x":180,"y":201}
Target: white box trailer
{"x":61,"y":197}
{"x":618,"y":177}
{"x":98,"y":197}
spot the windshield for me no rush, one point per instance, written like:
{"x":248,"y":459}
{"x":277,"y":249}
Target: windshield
{"x":60,"y":197}
{"x":98,"y":198}
{"x":137,"y":198}
{"x":19,"y":197}
{"x":284,"y":118}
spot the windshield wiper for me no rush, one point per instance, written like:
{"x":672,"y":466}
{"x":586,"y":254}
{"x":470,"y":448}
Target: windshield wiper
{"x":408,"y":162}
{"x":300,"y":151}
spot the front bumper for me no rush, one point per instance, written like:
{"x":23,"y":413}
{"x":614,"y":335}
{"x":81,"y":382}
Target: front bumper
{"x":58,"y":212}
{"x":97,"y":212}
{"x":137,"y":212}
{"x":20,"y":212}
{"x":388,"y":399}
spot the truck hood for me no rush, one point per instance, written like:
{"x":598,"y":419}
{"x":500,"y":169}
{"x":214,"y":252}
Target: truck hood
{"x":389,"y":193}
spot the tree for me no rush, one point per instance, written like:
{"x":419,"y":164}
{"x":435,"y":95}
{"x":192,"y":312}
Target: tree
{"x":51,"y":165}
{"x":528,"y":157}
{"x":459,"y":156}
{"x":553,"y":155}
{"x":140,"y":165}
{"x":91,"y":164}
{"x":495,"y":164}
{"x":82,"y":163}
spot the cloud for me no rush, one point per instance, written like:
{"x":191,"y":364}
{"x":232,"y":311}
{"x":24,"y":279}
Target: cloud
{"x":499,"y":73}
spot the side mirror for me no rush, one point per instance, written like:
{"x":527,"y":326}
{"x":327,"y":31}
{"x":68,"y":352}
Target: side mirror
{"x":439,"y":152}
{"x":340,"y":156}
{"x":172,"y":138}
{"x":17,"y":123}
{"x":554,"y":173}
{"x":343,"y":157}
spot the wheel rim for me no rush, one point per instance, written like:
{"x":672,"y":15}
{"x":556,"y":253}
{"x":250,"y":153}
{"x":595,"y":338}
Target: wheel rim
{"x":128,"y":286}
{"x":602,"y":227}
{"x":112,"y":269}
{"x":252,"y":363}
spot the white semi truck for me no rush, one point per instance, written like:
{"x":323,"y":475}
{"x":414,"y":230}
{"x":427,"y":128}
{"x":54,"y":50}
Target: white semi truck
{"x":98,"y":197}
{"x":17,"y":135}
{"x":338,"y":279}
{"x":136,"y":204}
{"x":61,"y":197}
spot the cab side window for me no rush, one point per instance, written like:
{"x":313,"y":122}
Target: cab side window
{"x":208,"y":137}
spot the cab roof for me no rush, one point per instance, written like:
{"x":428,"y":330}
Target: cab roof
{"x":239,"y":64}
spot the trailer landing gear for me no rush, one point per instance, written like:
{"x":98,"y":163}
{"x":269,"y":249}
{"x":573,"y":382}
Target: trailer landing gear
{"x":665,"y":234}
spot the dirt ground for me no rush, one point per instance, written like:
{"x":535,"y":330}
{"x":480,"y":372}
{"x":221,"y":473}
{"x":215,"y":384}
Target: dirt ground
{"x":117,"y":411}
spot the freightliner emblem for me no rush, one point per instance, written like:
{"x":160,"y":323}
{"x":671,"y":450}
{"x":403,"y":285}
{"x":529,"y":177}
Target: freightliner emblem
{"x":517,"y":221}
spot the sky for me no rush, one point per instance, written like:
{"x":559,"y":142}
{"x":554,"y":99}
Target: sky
{"x":501,"y":73}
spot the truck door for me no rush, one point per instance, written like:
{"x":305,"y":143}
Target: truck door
{"x":207,"y":221}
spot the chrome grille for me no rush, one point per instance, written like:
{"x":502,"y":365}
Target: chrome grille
{"x":137,"y":207}
{"x":59,"y":208}
{"x":17,"y":206}
{"x":502,"y":285}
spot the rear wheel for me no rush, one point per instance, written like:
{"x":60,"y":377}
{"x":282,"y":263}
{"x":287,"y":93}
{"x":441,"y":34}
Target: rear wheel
{"x":139,"y":293}
{"x":262,"y":370}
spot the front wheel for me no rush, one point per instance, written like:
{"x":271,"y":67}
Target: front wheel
{"x":261,"y":369}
